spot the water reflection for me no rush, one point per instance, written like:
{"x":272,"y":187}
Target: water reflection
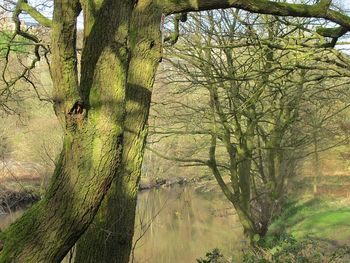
{"x":179,"y":225}
{"x":176,"y":225}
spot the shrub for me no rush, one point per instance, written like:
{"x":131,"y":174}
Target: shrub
{"x":286,"y":249}
{"x":213,"y":257}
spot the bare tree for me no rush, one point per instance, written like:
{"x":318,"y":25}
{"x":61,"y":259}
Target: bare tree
{"x":254,"y":96}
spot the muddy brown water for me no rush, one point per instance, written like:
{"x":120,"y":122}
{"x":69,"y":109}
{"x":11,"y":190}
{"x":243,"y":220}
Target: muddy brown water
{"x":179,"y":224}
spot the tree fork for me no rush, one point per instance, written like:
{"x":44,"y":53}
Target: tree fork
{"x":92,"y":147}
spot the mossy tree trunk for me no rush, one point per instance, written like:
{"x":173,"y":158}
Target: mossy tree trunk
{"x":109,"y":238}
{"x":91,"y":114}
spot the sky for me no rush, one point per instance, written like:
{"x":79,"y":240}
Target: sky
{"x":346,"y":3}
{"x":48,"y":12}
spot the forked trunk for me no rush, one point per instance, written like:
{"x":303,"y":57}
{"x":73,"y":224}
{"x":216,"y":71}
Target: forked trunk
{"x":92,"y":115}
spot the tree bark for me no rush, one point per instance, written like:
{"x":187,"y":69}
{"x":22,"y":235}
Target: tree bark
{"x":92,"y":117}
{"x":109,"y":238}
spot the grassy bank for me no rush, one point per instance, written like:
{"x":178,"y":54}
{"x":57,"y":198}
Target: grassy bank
{"x":321,"y":218}
{"x":309,"y":230}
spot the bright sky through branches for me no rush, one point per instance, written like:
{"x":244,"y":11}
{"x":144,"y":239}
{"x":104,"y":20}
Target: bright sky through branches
{"x":346,"y":3}
{"x":45,"y":7}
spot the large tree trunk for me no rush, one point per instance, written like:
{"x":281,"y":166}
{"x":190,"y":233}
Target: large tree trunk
{"x":109,"y":238}
{"x":92,"y":117}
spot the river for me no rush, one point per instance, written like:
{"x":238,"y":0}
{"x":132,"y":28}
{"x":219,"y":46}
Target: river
{"x":179,"y":224}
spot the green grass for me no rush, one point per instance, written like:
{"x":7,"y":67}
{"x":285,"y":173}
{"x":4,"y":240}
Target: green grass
{"x":332,"y":225}
{"x":316,"y":218}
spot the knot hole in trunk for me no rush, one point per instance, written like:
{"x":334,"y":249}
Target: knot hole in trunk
{"x":78,"y":108}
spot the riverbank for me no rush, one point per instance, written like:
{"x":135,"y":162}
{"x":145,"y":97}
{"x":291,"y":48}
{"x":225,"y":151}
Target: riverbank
{"x":18,"y":193}
{"x":310,"y":229}
{"x":320,"y":218}
{"x":23,"y":191}
{"x":12,"y":200}
{"x":148,"y":184}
